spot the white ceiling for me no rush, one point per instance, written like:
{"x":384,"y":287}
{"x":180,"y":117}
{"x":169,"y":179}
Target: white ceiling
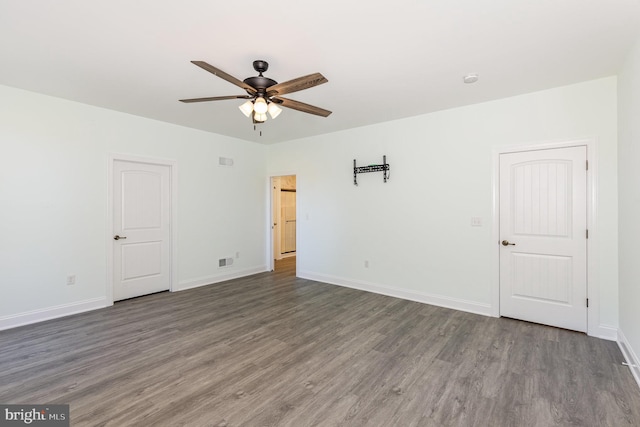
{"x":384,"y":59}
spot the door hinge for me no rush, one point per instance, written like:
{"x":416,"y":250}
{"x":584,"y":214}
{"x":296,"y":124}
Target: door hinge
{"x":587,"y":161}
{"x":587,"y":302}
{"x":587,"y":233}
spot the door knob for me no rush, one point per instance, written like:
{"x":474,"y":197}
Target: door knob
{"x":116,"y":237}
{"x":506,"y":243}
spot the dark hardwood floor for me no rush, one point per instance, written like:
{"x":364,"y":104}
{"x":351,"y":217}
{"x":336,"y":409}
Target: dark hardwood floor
{"x":273,"y":350}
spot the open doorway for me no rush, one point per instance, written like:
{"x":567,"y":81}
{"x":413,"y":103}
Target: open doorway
{"x":284,"y":221}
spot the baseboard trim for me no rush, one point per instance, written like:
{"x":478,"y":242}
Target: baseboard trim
{"x":437,"y":300}
{"x":209,"y":280}
{"x":605,"y":332}
{"x":35,"y":316}
{"x":630,"y":356}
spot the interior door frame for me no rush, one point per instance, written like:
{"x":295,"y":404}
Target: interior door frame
{"x":173,"y":194}
{"x":275,"y":219}
{"x":593,"y":286}
{"x":270,"y":253}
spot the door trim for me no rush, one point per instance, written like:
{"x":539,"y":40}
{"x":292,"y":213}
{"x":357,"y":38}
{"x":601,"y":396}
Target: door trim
{"x":594,"y":328}
{"x":275,"y":219}
{"x":173,"y":191}
{"x":270,"y":253}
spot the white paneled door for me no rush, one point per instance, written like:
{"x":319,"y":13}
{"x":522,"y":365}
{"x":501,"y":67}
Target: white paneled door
{"x":543,"y":240}
{"x":141,"y":229}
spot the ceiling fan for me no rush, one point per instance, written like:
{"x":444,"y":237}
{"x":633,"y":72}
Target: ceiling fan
{"x":263,"y":93}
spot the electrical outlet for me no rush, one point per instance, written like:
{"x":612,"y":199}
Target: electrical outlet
{"x":476,"y":221}
{"x":71,"y":279}
{"x":237,"y":254}
{"x":366,"y":263}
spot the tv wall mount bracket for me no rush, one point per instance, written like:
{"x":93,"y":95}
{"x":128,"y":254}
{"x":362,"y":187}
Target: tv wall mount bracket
{"x":384,"y":168}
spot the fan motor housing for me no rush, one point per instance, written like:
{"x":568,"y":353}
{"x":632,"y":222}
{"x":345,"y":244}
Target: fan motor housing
{"x":260,"y":82}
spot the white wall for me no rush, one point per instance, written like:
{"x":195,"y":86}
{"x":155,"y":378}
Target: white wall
{"x":415,"y":230}
{"x":629,"y":204}
{"x":53,"y":201}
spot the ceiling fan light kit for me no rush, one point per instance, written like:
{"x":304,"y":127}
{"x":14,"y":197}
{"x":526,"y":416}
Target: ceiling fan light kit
{"x":274,"y":110}
{"x":260,"y":105}
{"x":264,"y":94}
{"x":247,"y":108}
{"x":259,"y":108}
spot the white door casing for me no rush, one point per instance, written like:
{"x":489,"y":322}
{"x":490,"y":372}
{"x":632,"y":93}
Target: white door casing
{"x":275,"y":218}
{"x":142,"y":219}
{"x":543,"y":217}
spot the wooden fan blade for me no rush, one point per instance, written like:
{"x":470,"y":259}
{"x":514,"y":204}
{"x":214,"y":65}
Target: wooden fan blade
{"x":217,"y":72}
{"x":301,"y":106}
{"x":295,"y":85}
{"x":216,"y":98}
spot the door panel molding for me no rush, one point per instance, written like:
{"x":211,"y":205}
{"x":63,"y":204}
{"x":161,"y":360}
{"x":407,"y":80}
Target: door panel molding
{"x":173,"y":190}
{"x":594,"y":328}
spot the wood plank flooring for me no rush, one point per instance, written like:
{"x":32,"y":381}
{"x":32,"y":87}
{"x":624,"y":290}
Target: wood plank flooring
{"x":273,"y":350}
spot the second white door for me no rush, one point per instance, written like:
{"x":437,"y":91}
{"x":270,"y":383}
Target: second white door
{"x":543,"y":226}
{"x":141,"y":229}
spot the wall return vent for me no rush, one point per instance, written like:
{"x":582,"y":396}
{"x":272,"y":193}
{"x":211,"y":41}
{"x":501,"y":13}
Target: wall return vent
{"x":225,"y":262}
